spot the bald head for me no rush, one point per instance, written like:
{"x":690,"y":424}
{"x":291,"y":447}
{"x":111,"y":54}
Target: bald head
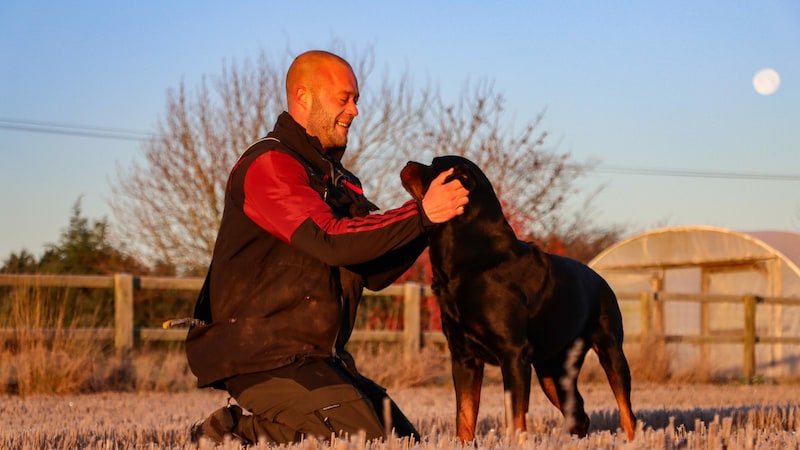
{"x":321,"y":95}
{"x":307,"y":66}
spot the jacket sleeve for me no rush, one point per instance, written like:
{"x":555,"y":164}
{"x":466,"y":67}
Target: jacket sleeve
{"x":385,"y":270}
{"x":279,"y":198}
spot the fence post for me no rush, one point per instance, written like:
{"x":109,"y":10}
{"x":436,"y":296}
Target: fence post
{"x":412,"y":329}
{"x":123,"y":315}
{"x":645,"y":321}
{"x":658,"y":316}
{"x":750,"y":302}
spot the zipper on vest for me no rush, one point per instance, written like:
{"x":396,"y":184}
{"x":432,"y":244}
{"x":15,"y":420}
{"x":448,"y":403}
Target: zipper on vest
{"x":334,"y":356}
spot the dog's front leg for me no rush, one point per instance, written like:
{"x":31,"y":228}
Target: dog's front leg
{"x":517,"y":380}
{"x":467,"y":378}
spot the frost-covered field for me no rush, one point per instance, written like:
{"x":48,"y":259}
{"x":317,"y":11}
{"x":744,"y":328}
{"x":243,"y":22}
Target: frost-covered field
{"x":673,"y":416}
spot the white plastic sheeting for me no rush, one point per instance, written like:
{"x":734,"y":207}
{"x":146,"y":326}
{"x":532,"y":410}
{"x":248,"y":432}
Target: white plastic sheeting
{"x":712,"y":260}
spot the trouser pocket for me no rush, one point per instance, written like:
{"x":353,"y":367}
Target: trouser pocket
{"x":339,"y":409}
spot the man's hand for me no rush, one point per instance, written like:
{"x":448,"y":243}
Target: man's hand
{"x":443,"y":201}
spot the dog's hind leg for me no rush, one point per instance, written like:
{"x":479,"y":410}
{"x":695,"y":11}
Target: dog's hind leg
{"x":609,"y":352}
{"x":607,"y":343}
{"x":559,"y":384}
{"x":548,"y":385}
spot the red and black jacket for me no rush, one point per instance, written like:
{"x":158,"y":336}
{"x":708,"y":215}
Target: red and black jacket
{"x":294,"y":250}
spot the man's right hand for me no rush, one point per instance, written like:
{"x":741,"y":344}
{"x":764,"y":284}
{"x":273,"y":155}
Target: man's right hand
{"x":443,"y":201}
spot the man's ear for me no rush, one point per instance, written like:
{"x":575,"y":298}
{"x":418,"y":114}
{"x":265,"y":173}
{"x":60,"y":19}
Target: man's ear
{"x":302,"y":96}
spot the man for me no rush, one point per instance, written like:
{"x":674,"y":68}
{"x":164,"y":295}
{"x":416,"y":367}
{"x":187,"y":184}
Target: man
{"x":296,"y":246}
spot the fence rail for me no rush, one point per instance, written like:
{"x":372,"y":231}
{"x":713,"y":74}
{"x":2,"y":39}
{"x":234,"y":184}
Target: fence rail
{"x":125,"y":334}
{"x":412,"y":337}
{"x":653,"y":330}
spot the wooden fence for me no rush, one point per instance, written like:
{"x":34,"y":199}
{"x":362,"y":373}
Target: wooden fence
{"x":124,"y":334}
{"x":653,"y":330}
{"x":412,"y":338}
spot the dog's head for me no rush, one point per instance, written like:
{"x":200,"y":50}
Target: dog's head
{"x":417,"y":177}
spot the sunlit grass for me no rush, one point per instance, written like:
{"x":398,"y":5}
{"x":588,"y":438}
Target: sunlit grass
{"x":671,"y":417}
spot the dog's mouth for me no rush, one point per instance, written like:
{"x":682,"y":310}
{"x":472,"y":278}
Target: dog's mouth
{"x":411,"y":178}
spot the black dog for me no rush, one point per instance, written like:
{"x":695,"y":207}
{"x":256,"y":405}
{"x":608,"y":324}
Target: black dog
{"x":505,"y":302}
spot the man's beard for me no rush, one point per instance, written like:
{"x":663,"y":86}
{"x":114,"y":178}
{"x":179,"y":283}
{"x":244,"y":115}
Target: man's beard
{"x":323,"y":126}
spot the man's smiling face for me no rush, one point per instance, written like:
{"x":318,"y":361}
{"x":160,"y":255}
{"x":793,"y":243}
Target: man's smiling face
{"x":333,"y":106}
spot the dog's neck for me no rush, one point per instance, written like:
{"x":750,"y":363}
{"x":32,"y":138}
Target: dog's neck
{"x":493,"y":237}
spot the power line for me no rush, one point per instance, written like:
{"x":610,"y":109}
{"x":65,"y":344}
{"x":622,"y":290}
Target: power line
{"x":697,"y":173}
{"x":74,"y":130}
{"x":144,"y":136}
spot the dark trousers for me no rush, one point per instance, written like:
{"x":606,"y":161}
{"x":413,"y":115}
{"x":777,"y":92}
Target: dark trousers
{"x":314,"y":398}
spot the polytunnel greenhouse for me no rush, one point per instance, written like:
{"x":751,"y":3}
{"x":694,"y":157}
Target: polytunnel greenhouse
{"x":710,"y":272}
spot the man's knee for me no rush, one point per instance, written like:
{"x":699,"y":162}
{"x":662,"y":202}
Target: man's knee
{"x":284,"y":410}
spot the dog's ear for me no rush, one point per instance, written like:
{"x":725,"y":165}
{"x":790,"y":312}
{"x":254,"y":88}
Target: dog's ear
{"x":411,"y":178}
{"x":415,"y":188}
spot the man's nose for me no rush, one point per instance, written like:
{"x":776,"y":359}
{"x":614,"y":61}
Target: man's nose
{"x":352,"y":108}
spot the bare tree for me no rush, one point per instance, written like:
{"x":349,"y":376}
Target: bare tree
{"x":170,"y":203}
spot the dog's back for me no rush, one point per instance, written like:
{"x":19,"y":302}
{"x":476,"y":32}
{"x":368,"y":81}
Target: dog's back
{"x":558,"y":308}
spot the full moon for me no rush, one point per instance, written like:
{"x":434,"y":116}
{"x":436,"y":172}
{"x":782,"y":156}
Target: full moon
{"x":766,"y":81}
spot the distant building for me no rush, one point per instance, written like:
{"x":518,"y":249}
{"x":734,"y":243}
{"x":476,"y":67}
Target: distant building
{"x":711,"y":260}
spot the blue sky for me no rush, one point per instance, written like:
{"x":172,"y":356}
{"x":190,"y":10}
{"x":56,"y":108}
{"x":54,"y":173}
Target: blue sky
{"x":632,"y":85}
